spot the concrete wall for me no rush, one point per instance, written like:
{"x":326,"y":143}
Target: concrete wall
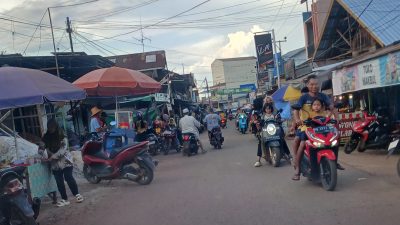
{"x":217,"y":70}
{"x":240,"y":72}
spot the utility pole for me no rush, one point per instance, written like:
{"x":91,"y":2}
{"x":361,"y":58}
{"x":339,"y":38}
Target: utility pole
{"x":183,"y":68}
{"x":54,"y":43}
{"x":208,"y":93}
{"x":69,"y":31}
{"x":142,"y":37}
{"x":278,"y":72}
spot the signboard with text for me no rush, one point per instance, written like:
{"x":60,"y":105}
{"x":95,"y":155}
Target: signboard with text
{"x":264,"y":51}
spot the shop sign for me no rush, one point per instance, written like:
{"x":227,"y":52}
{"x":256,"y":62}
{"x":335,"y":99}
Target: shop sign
{"x":345,"y":127}
{"x":161,"y":97}
{"x":380,"y":72}
{"x":233,"y":91}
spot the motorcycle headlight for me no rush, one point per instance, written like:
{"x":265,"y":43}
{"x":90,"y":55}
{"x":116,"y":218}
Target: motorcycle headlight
{"x":317,"y":144}
{"x":271,"y":129}
{"x":334,"y":143}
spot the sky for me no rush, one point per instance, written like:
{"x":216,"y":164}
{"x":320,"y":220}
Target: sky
{"x":193,"y":33}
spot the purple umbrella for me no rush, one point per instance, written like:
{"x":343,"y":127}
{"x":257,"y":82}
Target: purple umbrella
{"x":21,"y":87}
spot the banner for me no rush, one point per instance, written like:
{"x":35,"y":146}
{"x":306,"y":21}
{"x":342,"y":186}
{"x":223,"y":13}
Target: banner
{"x":380,"y":72}
{"x":233,"y":91}
{"x":264,"y":51}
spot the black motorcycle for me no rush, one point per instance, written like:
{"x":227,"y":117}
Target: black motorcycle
{"x":216,"y":138}
{"x":394,"y":146}
{"x":15,"y":205}
{"x":272,"y":140}
{"x":190,"y":146}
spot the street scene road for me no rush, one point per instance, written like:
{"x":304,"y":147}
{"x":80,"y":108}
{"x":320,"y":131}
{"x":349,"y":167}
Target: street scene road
{"x":222,"y":187}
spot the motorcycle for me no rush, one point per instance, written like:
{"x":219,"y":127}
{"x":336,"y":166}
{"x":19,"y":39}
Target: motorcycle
{"x":393,"y":147}
{"x":371,"y":132}
{"x":272,"y":140}
{"x":15,"y":205}
{"x":132,"y":162}
{"x":242,"y":123}
{"x":230,"y":116}
{"x":216,"y":138}
{"x":170,"y":140}
{"x":190,"y":146}
{"x":223,"y":123}
{"x":319,"y":160}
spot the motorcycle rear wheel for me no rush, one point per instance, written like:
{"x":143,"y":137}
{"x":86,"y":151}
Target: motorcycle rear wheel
{"x":93,"y":179}
{"x":328,"y":174}
{"x":275,"y":154}
{"x":146,"y":176}
{"x":18,"y":217}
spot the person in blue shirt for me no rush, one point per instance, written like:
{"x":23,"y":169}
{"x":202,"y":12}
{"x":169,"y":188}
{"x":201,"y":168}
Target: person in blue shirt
{"x":96,"y":123}
{"x":212,"y":120}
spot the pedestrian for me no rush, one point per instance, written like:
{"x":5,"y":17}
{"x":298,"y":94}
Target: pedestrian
{"x":97,"y":123}
{"x":61,"y":162}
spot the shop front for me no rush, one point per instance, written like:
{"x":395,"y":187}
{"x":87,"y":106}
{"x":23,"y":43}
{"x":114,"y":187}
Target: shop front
{"x":370,"y":85}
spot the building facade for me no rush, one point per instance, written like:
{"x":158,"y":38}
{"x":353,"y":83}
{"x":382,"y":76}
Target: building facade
{"x":234,"y":72}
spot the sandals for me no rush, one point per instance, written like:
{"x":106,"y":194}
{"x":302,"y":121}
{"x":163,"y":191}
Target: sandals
{"x":296,"y":177}
{"x":63,"y":203}
{"x":79,"y":198}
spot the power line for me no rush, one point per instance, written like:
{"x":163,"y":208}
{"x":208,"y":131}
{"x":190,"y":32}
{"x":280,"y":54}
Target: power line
{"x":29,"y":42}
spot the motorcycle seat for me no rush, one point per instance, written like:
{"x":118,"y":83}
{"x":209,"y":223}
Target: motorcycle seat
{"x":116,"y":151}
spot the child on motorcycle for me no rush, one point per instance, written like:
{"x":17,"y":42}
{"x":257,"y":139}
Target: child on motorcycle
{"x":268,"y":110}
{"x":318,"y":109}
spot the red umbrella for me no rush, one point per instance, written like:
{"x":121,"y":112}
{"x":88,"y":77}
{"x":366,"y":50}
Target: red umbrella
{"x":116,"y":81}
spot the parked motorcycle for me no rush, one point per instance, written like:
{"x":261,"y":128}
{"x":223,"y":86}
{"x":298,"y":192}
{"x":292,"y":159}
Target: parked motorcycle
{"x":190,"y":146}
{"x":319,"y":160}
{"x":132,"y":162}
{"x":393,"y":147}
{"x":242,"y":123}
{"x":216,"y":138}
{"x":272,"y":140}
{"x":15,"y":205}
{"x":370,"y":133}
{"x":170,"y":140}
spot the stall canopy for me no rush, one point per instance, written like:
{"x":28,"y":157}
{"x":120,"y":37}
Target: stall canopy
{"x":21,"y":87}
{"x":286,"y":93}
{"x":116,"y":81}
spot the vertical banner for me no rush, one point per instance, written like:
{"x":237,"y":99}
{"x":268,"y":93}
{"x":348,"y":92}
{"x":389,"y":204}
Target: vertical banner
{"x":265,"y":56}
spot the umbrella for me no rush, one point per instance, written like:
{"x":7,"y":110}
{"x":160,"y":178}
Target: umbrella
{"x":116,"y":81}
{"x":21,"y":87}
{"x":286,"y":93}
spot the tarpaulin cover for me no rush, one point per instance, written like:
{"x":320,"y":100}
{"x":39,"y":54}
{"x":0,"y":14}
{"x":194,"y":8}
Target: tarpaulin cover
{"x":20,"y":87}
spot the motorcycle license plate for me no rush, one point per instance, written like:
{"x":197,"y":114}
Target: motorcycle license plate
{"x":393,"y":144}
{"x":167,"y":132}
{"x":322,"y":130}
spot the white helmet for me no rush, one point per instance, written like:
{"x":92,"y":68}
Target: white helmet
{"x":185,"y":111}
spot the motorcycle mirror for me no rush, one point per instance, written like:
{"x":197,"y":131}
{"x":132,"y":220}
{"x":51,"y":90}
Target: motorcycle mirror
{"x":296,"y":107}
{"x":113,"y":123}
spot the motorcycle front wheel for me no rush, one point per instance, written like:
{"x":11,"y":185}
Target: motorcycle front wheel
{"x":275,"y":154}
{"x":398,"y":167}
{"x":18,"y":217}
{"x":93,"y":179}
{"x":146,"y":175}
{"x":351,"y":145}
{"x":328,"y":174}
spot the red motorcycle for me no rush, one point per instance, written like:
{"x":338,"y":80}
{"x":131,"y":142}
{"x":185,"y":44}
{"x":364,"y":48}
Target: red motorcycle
{"x":371,"y":132}
{"x":319,"y":159}
{"x":223,"y":122}
{"x":131,"y":162}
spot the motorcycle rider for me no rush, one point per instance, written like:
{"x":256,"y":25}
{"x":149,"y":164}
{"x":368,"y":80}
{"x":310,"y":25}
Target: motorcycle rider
{"x":141,"y":127}
{"x":188,"y":124}
{"x":305,"y":102}
{"x":212,"y":121}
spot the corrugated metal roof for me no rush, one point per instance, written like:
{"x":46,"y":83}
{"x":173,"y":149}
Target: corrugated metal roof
{"x":381,"y":17}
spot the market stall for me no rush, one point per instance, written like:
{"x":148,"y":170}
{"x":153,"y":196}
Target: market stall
{"x":20,"y":87}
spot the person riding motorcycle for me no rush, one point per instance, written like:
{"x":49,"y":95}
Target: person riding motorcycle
{"x":141,"y":127}
{"x":212,"y":120}
{"x":188,"y":124}
{"x":305,"y":102}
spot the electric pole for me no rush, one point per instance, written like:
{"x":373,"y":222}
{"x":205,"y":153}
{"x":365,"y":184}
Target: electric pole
{"x":69,"y":31}
{"x":208,"y":93}
{"x":278,"y":72}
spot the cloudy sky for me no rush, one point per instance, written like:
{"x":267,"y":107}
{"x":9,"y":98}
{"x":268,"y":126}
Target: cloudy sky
{"x":193,"y":33}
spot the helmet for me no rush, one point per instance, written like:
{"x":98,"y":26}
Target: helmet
{"x":185,"y":111}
